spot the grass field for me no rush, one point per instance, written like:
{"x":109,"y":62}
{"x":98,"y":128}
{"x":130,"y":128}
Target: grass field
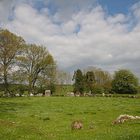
{"x":50,"y":118}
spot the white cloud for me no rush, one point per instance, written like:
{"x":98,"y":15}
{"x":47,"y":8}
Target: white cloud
{"x":102,"y":40}
{"x":136,"y":10}
{"x":65,"y":8}
{"x":5,"y":8}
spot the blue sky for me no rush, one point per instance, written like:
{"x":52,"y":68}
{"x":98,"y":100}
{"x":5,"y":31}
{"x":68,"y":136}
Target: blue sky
{"x":112,"y":6}
{"x":79,"y":33}
{"x":117,"y":6}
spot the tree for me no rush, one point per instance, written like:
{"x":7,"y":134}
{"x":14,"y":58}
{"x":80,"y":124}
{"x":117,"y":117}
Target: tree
{"x":47,"y":79}
{"x":103,"y":79}
{"x":125,"y":82}
{"x":32,"y":62}
{"x":18,"y":79}
{"x":10,"y":46}
{"x":79,"y":82}
{"x":89,"y":81}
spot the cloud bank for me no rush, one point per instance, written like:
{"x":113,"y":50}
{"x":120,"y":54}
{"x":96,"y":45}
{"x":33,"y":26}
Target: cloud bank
{"x":80,"y":37}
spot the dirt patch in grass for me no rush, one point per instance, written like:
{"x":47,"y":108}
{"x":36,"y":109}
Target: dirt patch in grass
{"x":7,"y":123}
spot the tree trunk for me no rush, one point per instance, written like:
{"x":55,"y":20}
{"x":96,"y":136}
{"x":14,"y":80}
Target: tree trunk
{"x":5,"y":81}
{"x":33,"y":85}
{"x":29,"y":86}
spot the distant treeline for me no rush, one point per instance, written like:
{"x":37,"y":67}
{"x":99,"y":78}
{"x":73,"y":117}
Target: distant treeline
{"x":95,"y":81}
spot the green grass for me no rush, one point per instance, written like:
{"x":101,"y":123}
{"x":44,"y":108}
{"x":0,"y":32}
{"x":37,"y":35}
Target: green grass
{"x":50,"y":118}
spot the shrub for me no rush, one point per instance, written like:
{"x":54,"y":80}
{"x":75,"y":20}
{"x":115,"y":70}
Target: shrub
{"x":97,"y":90}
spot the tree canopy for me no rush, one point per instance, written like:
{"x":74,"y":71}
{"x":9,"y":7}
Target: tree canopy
{"x":125,"y":82}
{"x":89,"y":81}
{"x":33,"y":61}
{"x":79,"y":82}
{"x":10,"y":46}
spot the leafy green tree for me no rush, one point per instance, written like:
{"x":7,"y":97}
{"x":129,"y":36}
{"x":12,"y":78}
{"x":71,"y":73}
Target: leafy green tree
{"x":89,"y":81}
{"x":79,"y":85}
{"x":32,"y":62}
{"x":10,"y":47}
{"x":52,"y":87}
{"x":125,"y":82}
{"x":103,"y":79}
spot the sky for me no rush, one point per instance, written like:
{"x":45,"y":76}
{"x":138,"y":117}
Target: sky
{"x":79,"y":33}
